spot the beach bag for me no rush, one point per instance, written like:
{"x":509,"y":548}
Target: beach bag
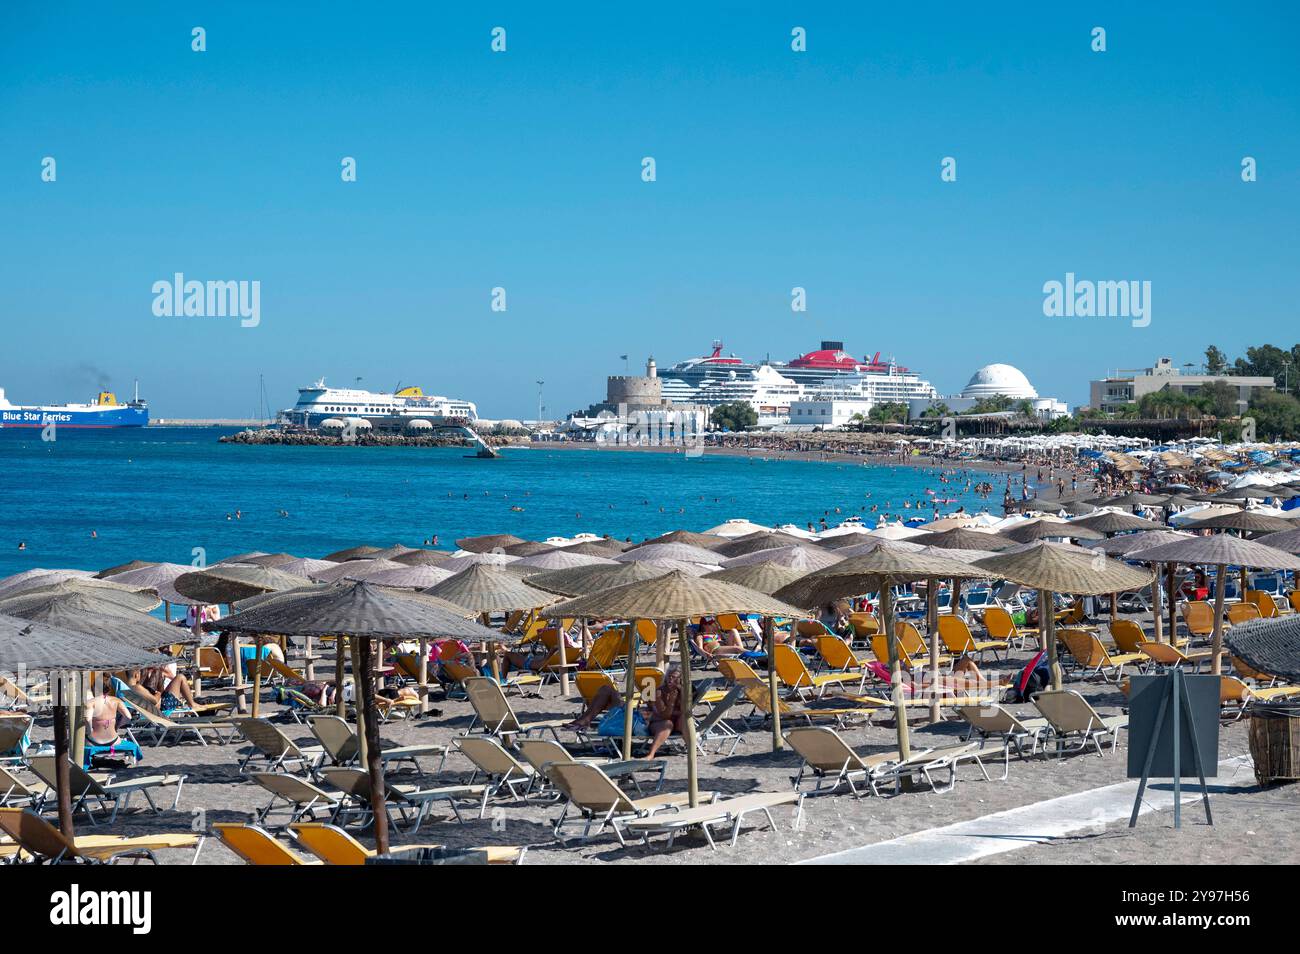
{"x":611,"y":726}
{"x":1035,"y":677}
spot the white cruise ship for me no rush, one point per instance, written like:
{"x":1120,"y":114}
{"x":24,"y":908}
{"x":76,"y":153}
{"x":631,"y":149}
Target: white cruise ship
{"x":764,"y":388}
{"x":403,"y":409}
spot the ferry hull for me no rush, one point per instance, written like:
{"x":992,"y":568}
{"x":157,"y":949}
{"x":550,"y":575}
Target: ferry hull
{"x":37,"y":417}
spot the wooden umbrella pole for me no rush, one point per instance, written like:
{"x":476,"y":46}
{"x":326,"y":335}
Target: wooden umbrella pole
{"x":1173,"y":603}
{"x":62,"y":768}
{"x":1157,"y":617}
{"x":1045,"y":599}
{"x":361,"y":676}
{"x":629,"y":690}
{"x":369,"y":737}
{"x":586,"y":636}
{"x":564,"y":661}
{"x":773,"y":695}
{"x":241,"y":700}
{"x":309,"y":669}
{"x":661,"y":644}
{"x":1216,"y":644}
{"x":197,"y":630}
{"x":692,"y":773}
{"x":932,"y":624}
{"x":1114,"y":608}
{"x":422,"y":683}
{"x":257,"y":673}
{"x":895,"y":670}
{"x":340,"y":707}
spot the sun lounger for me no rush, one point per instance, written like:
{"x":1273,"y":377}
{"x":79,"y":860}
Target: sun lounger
{"x":270,"y":744}
{"x":828,"y":757}
{"x":36,"y":840}
{"x":257,"y":846}
{"x":14,"y":737}
{"x":17,"y":792}
{"x":992,"y":719}
{"x":726,"y":811}
{"x":1071,"y":717}
{"x":409,"y":800}
{"x":959,"y":641}
{"x":1002,"y":627}
{"x":162,"y":727}
{"x":493,"y":712}
{"x":334,"y":846}
{"x":302,"y":797}
{"x":1166,"y":656}
{"x":794,"y":674}
{"x":1198,"y":617}
{"x":1235,"y":696}
{"x":343,"y":748}
{"x":592,"y":794}
{"x":85,"y":788}
{"x":758,"y":695}
{"x":1094,"y":658}
{"x":930,"y":761}
{"x":503,"y":772}
{"x":540,"y":752}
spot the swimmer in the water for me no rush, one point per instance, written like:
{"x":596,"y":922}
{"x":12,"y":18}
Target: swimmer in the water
{"x":94,"y":535}
{"x":22,"y":544}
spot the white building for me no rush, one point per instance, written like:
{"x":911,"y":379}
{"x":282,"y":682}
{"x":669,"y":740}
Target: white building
{"x":990,"y":381}
{"x":828,"y":412}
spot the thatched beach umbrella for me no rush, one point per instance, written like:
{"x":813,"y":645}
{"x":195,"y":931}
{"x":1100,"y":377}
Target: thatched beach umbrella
{"x":559,"y":560}
{"x":123,"y":568}
{"x":158,"y":577}
{"x":27,"y":646}
{"x":963,"y":538}
{"x":38,"y":576}
{"x":465,"y":560}
{"x":365,"y":612}
{"x":880,"y":570}
{"x":680,"y":552}
{"x":796,"y":557}
{"x":1246,"y":521}
{"x":1268,"y":645}
{"x":753,"y":542}
{"x":527,"y":548}
{"x":306,"y":567}
{"x":423,"y":558}
{"x":139,"y":601}
{"x":580,"y":580}
{"x":604,"y":547}
{"x":1050,"y":569}
{"x":392,"y":553}
{"x":675,"y":597}
{"x":360,"y":569}
{"x":351,"y":553}
{"x":1132,"y":499}
{"x":241,"y":557}
{"x":862,"y":545}
{"x":1221,"y":550}
{"x":85,"y":614}
{"x":1145,"y":540}
{"x":760,"y":577}
{"x":1047,"y":529}
{"x":737,"y":527}
{"x":266,"y":559}
{"x":1288,"y":540}
{"x":1076,"y":507}
{"x":893,"y":531}
{"x":708,"y":541}
{"x":488,"y":543}
{"x":410,"y":577}
{"x":1110,"y":521}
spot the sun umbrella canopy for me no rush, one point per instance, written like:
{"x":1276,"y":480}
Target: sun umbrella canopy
{"x":1132,"y":500}
{"x":795,"y":556}
{"x":737,"y":527}
{"x":1056,"y":506}
{"x":226,"y":584}
{"x":896,"y":531}
{"x":29,"y":579}
{"x":1042,"y":529}
{"x":122,"y":568}
{"x":527,"y":548}
{"x":423,"y":558}
{"x":1221,"y":549}
{"x":360,"y":609}
{"x":1112,"y":522}
{"x":674,"y":596}
{"x":410,"y":577}
{"x":1045,"y":566}
{"x":458,"y":563}
{"x":85,"y":614}
{"x":391,"y":553}
{"x":1246,"y":521}
{"x":588,"y":579}
{"x":963,"y":538}
{"x":305,"y":567}
{"x":361,"y":569}
{"x":266,"y":559}
{"x":489,"y":589}
{"x":140,"y":601}
{"x":950,"y":523}
{"x":1288,"y":540}
{"x":1269,"y":645}
{"x":753,"y":542}
{"x":884,"y":566}
{"x":490,"y":542}
{"x":605,"y":548}
{"x":870,"y":544}
{"x":28,"y":645}
{"x":151,"y":576}
{"x":559,"y":560}
{"x":242,"y":557}
{"x":1132,"y":542}
{"x":708,"y":541}
{"x":351,"y":553}
{"x":681,"y":552}
{"x":760,"y":577}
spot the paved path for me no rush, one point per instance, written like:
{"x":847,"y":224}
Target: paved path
{"x":1039,"y":822}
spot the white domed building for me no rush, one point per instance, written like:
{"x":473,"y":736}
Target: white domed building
{"x":993,"y":379}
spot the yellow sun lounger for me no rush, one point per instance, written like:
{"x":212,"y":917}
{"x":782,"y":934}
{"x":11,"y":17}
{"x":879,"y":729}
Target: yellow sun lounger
{"x":334,"y":846}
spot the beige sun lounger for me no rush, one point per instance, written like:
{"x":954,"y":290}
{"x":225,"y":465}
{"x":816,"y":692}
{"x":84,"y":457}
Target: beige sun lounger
{"x":13,"y":729}
{"x":341,"y":745}
{"x":162,"y":727}
{"x":930,"y":761}
{"x":302,"y":797}
{"x":992,"y":719}
{"x":726,"y":811}
{"x":827,"y":756}
{"x":493,"y":711}
{"x":407,"y":799}
{"x":86,"y":788}
{"x":270,"y":743}
{"x":592,"y":794}
{"x":16,"y":792}
{"x":1071,"y":716}
{"x":504,"y":773}
{"x":36,"y":839}
{"x":539,"y":752}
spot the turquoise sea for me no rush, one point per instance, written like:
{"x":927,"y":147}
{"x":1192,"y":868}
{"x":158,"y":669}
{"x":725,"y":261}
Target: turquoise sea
{"x":159,"y":493}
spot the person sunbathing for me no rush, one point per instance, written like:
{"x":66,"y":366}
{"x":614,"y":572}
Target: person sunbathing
{"x":164,"y":687}
{"x":662,"y":714}
{"x":709,"y":640}
{"x":104,"y":713}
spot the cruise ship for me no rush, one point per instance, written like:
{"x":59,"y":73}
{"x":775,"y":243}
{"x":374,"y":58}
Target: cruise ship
{"x":404,"y":408}
{"x":104,"y":411}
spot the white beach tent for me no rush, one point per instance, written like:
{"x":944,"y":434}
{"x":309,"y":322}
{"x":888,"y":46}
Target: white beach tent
{"x":737,"y":527}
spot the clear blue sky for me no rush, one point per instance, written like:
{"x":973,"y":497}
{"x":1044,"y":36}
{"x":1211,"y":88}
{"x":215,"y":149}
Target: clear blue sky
{"x":522,"y":170}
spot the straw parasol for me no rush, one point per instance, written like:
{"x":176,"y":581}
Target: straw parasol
{"x":690,"y":569}
{"x":559,"y":560}
{"x":38,"y":577}
{"x":139,"y":601}
{"x":490,"y":589}
{"x":123,"y":568}
{"x":410,"y":577}
{"x":228,"y":583}
{"x":458,"y":563}
{"x":753,"y":542}
{"x":266,"y":559}
{"x":361,"y":569}
{"x":950,"y":523}
{"x":241,"y":557}
{"x":1050,"y":568}
{"x":1133,"y":499}
{"x":708,"y":541}
{"x":1247,"y":521}
{"x":878,"y":571}
{"x":1288,"y":540}
{"x":866,"y":544}
{"x":1221,"y":550}
{"x":27,"y":646}
{"x":488,"y":543}
{"x":760,"y":577}
{"x":85,"y":614}
{"x":1075,"y":507}
{"x":588,"y":579}
{"x":1110,"y":521}
{"x":1268,"y":645}
{"x":527,"y":548}
{"x":423,"y":558}
{"x":392,"y":553}
{"x":963,"y":538}
{"x":365,"y":612}
{"x":1043,"y":529}
{"x":305,"y":567}
{"x":675,"y":597}
{"x":796,"y":556}
{"x":681,"y":552}
{"x":158,"y":577}
{"x":351,"y":553}
{"x":605,"y":547}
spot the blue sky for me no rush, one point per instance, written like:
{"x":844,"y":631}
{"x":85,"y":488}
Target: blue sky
{"x":522,"y":170}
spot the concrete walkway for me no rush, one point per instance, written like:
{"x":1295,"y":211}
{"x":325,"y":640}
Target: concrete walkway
{"x":1041,"y":822}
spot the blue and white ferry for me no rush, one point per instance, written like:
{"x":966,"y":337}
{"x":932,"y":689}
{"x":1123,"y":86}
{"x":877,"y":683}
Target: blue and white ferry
{"x":105,"y":411}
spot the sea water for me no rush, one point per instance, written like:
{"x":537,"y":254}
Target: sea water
{"x":93,"y":499}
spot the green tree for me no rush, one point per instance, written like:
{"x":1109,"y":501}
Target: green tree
{"x":991,"y":404}
{"x":890,"y":412}
{"x":937,"y":409}
{"x":1277,"y":416}
{"x":737,"y":416}
{"x":1221,"y":398}
{"x":1216,"y":362}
